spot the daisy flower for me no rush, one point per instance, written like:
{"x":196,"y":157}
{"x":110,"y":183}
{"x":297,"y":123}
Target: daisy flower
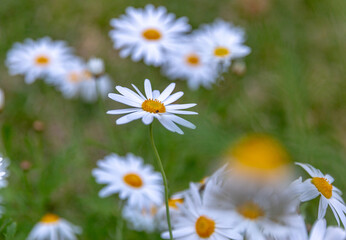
{"x":199,"y":221}
{"x":188,"y":63}
{"x":320,"y":231}
{"x":147,"y":33}
{"x":77,"y":81}
{"x":222,"y":42}
{"x":131,"y":179}
{"x":3,"y":171}
{"x":37,"y":59}
{"x":53,"y":227}
{"x":153,"y":105}
{"x":321,"y":185}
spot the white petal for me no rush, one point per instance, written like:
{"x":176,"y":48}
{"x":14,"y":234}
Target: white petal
{"x":122,"y":111}
{"x":181,"y":121}
{"x":322,"y":208}
{"x":130,"y":117}
{"x":148,"y":118}
{"x":124,"y":100}
{"x":166,"y":92}
{"x":180,"y":106}
{"x":147,"y":88}
{"x":182,"y":112}
{"x":174,"y":97}
{"x":318,"y":230}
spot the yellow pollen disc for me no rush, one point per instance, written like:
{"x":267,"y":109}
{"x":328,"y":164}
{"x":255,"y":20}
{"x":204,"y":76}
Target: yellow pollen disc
{"x":250,"y":210}
{"x":42,"y":60}
{"x":50,"y":218}
{"x":74,"y":77}
{"x":133,"y":180}
{"x":323,"y":186}
{"x":172,"y":203}
{"x":151,"y":34}
{"x":205,"y":227}
{"x":153,"y":106}
{"x":192,"y":59}
{"x":221,"y":52}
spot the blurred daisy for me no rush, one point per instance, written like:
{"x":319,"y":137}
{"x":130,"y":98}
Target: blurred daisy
{"x":3,"y":171}
{"x":141,"y":219}
{"x":174,"y":202}
{"x":154,"y":105}
{"x":134,"y":181}
{"x":222,"y":42}
{"x":53,"y":227}
{"x":76,"y":80}
{"x":37,"y":59}
{"x":321,"y":185}
{"x":147,"y":33}
{"x":186,"y":62}
{"x":2,"y":99}
{"x":320,"y":231}
{"x":197,"y":221}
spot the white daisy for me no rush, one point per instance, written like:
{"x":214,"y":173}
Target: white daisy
{"x":141,"y":219}
{"x":200,"y":221}
{"x":320,"y":232}
{"x":3,"y":171}
{"x":147,"y":33}
{"x":321,"y":185}
{"x":2,"y":99}
{"x":188,"y":63}
{"x":37,"y":59}
{"x":154,"y":105}
{"x":77,"y":81}
{"x":222,"y":42}
{"x":134,"y":181}
{"x":53,"y":227}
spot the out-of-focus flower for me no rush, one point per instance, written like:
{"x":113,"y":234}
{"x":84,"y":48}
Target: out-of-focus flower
{"x":259,"y":158}
{"x":141,"y":219}
{"x":320,"y":232}
{"x":239,"y":68}
{"x":174,"y":202}
{"x":37,"y":59}
{"x":186,"y":62}
{"x":134,"y":181}
{"x":154,"y":105}
{"x":96,"y":66}
{"x":76,"y":80}
{"x":199,"y":221}
{"x":222,"y":42}
{"x":147,"y":33}
{"x":4,"y":162}
{"x":321,"y":185}
{"x":53,"y":227}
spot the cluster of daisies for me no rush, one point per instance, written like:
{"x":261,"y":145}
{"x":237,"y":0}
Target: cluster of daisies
{"x":253,"y":196}
{"x":159,"y":39}
{"x":54,"y":62}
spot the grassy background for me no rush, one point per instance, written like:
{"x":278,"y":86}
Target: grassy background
{"x":294,"y":88}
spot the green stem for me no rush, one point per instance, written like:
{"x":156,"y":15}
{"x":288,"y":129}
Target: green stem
{"x":159,"y":163}
{"x":120,"y":222}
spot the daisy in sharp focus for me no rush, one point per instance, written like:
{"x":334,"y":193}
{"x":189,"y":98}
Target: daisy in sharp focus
{"x":222,"y":42}
{"x":131,"y":179}
{"x":153,"y":105}
{"x":197,"y":221}
{"x":76,"y":80}
{"x":188,"y":63}
{"x":321,"y":185}
{"x":52,"y":227}
{"x":147,"y":33}
{"x":37,"y":59}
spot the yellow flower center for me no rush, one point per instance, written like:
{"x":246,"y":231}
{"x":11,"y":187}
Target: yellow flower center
{"x":172,"y":203}
{"x":133,"y":180}
{"x":49,"y":218}
{"x":153,"y":106}
{"x":74,"y":77}
{"x":221,"y":52}
{"x":250,"y":210}
{"x":151,"y":34}
{"x":205,"y":227}
{"x":323,"y":186}
{"x":42,"y":60}
{"x":193,"y":60}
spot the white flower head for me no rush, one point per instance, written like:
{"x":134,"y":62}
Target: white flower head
{"x":188,"y":63}
{"x":53,"y":227}
{"x":320,"y":231}
{"x":321,"y":185}
{"x":131,"y":179}
{"x":222,"y":42}
{"x":153,"y":105}
{"x":77,"y":81}
{"x":96,"y":66}
{"x":37,"y":59}
{"x":4,"y":162}
{"x":147,"y":33}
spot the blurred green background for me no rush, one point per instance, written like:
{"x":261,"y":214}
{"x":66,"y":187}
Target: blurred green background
{"x":293,"y":88}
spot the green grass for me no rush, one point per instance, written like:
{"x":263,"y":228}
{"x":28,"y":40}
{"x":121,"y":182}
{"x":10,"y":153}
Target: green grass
{"x":294,"y":88}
